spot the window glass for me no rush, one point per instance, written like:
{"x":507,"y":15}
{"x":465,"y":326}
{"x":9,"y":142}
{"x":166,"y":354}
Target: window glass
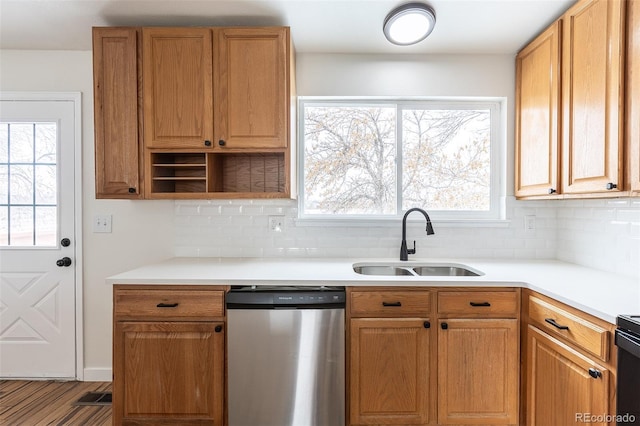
{"x":377,"y":158}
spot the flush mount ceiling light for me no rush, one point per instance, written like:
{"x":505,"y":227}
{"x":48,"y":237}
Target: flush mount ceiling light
{"x":409,"y":23}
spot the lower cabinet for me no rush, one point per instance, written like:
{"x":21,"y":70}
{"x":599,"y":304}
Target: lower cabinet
{"x":478,"y":368}
{"x":564,"y":386}
{"x":390,"y":371}
{"x":401,"y":373}
{"x":168,"y":356}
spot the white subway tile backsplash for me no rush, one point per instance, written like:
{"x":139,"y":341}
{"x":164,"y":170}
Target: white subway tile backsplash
{"x":602,"y":233}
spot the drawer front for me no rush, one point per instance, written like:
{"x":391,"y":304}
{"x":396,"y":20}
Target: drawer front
{"x":168,"y":304}
{"x":481,"y":303}
{"x":580,"y":331}
{"x":390,"y":303}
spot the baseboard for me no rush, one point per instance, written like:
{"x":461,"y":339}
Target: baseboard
{"x":98,"y":375}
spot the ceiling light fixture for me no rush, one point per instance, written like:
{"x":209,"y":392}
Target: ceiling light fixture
{"x":409,"y":23}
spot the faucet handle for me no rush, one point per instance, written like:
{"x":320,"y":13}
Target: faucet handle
{"x":413,"y":250}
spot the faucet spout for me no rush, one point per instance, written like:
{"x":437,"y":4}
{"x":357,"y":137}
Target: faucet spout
{"x":404,"y":251}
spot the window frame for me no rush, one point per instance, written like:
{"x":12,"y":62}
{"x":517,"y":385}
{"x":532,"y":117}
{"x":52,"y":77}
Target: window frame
{"x":496,"y":106}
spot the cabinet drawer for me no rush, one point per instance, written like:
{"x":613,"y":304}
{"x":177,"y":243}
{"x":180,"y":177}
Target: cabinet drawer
{"x":168,"y":304}
{"x":482,"y":303}
{"x":580,"y":331}
{"x":390,"y":303}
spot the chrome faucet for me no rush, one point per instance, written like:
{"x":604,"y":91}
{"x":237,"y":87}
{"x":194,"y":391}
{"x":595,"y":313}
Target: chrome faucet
{"x":404,"y":252}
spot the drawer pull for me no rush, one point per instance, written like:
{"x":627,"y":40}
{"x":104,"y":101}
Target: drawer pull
{"x":426,"y":324}
{"x":476,"y":304}
{"x":391,"y":304}
{"x":595,"y":373}
{"x":555,"y":324}
{"x":444,"y":326}
{"x":218,"y":328}
{"x":166,"y":305}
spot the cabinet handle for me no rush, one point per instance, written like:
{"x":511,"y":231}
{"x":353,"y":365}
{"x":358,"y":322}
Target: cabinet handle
{"x":552,"y":191}
{"x":444,"y":326}
{"x":207,"y":143}
{"x":426,"y":324}
{"x":391,"y":304}
{"x":166,"y":305}
{"x":218,"y":328}
{"x":611,"y":186}
{"x":595,"y":373}
{"x":476,"y":304}
{"x":132,"y":190}
{"x":555,"y":324}
{"x":222,"y":142}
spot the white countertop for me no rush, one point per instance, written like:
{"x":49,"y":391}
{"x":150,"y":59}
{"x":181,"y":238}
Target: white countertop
{"x":602,"y":294}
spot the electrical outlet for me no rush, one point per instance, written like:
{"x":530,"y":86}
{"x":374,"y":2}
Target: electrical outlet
{"x":530,"y":224}
{"x":102,"y":223}
{"x":276,"y":223}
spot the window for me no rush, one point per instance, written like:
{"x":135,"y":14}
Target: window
{"x":378,"y":158}
{"x":28,"y":184}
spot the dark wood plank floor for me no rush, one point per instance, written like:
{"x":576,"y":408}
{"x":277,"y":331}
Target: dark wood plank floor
{"x":35,"y":403}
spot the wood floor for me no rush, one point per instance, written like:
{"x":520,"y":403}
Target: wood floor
{"x":35,"y":403}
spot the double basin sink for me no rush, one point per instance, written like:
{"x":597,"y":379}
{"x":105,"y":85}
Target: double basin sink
{"x":417,"y":270}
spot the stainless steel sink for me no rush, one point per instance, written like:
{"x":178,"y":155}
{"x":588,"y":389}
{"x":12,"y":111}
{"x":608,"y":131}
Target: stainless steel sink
{"x":444,"y":271}
{"x":381,"y":270}
{"x":422,"y":270}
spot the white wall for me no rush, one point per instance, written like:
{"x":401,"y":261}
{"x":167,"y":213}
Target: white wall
{"x":142,"y":231}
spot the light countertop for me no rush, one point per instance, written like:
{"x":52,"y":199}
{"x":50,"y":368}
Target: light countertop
{"x":602,"y":294}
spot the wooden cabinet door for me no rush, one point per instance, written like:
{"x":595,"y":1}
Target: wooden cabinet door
{"x":560,"y":389}
{"x":633,"y":93}
{"x":252,"y":87}
{"x":115,"y":91}
{"x":478,"y":371}
{"x":537,"y":111}
{"x":389,"y":372}
{"x":178,"y":93}
{"x":593,"y":126}
{"x":168,"y":372}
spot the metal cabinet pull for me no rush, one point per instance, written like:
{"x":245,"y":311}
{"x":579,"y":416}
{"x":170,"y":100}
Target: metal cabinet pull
{"x":426,"y":324}
{"x":595,"y":373}
{"x":166,"y":305}
{"x":391,"y":304}
{"x":444,"y":325}
{"x":555,"y":324}
{"x":218,"y":328}
{"x":476,"y":304}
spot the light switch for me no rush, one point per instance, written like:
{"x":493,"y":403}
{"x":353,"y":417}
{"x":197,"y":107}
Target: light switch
{"x":102,"y":223}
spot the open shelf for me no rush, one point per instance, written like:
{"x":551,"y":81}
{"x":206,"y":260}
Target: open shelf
{"x":218,"y":175}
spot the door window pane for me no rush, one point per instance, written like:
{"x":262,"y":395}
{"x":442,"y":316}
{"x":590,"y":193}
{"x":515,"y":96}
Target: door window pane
{"x":28,"y":184}
{"x":21,"y":143}
{"x":21,"y":226}
{"x":46,"y":224}
{"x":21,"y":184}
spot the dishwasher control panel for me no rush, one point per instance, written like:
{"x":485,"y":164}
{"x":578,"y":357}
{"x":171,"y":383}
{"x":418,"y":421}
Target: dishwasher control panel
{"x":256,"y":296}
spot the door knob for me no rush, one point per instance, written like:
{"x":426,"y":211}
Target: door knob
{"x":65,"y":261}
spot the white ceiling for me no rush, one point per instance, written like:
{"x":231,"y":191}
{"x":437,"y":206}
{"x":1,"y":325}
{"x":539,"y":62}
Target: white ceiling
{"x":328,"y":26}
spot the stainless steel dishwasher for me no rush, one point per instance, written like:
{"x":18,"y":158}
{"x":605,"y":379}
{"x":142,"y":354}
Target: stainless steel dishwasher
{"x":286,"y":356}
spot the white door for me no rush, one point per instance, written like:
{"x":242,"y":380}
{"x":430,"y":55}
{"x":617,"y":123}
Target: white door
{"x":37,"y":238}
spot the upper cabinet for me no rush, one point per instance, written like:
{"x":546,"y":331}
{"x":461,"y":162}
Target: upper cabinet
{"x":115,"y":91}
{"x":633,"y":94}
{"x":570,"y":115}
{"x":593,"y":96}
{"x":178,"y":88}
{"x":538,"y":104}
{"x":252,"y":94}
{"x":210,"y":109}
